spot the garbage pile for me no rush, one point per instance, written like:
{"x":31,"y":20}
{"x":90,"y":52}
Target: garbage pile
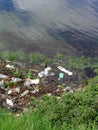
{"x":16,"y":92}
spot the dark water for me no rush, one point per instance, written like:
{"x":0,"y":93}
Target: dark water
{"x":50,"y":25}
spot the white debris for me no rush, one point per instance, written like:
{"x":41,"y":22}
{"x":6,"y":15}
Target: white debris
{"x":58,"y":97}
{"x":57,"y":90}
{"x":41,"y":74}
{"x":31,"y":81}
{"x":7,"y":61}
{"x":2,"y":83}
{"x":10,"y":66}
{"x":64,"y":70}
{"x":44,"y":72}
{"x":67,"y":89}
{"x":34,"y":91}
{"x":70,"y":73}
{"x":16,"y":79}
{"x":17,"y":90}
{"x":10,"y":91}
{"x":71,"y":91}
{"x":49,"y":94}
{"x":9,"y":102}
{"x":2,"y":76}
{"x":24,"y":93}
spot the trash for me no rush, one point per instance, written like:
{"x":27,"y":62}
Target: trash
{"x":70,"y":73}
{"x":9,"y":102}
{"x":9,"y":92}
{"x":67,"y":89}
{"x":2,"y":84}
{"x":34,"y":91}
{"x":2,"y":76}
{"x":13,"y":87}
{"x":24,"y":93}
{"x":44,"y":72}
{"x":61,"y":75}
{"x":17,"y":90}
{"x":48,"y":94}
{"x":52,"y":74}
{"x":9,"y":66}
{"x":64,"y":70}
{"x":31,"y":81}
{"x":16,"y":79}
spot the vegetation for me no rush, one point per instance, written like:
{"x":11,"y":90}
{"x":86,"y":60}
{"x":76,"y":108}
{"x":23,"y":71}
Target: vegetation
{"x":72,"y":111}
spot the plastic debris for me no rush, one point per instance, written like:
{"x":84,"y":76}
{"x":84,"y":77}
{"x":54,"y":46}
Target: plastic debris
{"x":64,"y":70}
{"x":61,"y":75}
{"x":2,"y":84}
{"x":44,"y":72}
{"x":16,"y":79}
{"x":2,"y":76}
{"x":9,"y":102}
{"x":31,"y":81}
{"x":17,"y":90}
{"x":24,"y":93}
{"x":10,"y":66}
{"x":9,"y":92}
{"x":34,"y":91}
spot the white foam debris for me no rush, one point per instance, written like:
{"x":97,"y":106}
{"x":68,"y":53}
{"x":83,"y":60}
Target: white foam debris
{"x":10,"y":66}
{"x":9,"y":102}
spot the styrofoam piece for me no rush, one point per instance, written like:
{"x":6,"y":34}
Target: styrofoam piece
{"x":9,"y":102}
{"x":10,"y":66}
{"x":10,"y":91}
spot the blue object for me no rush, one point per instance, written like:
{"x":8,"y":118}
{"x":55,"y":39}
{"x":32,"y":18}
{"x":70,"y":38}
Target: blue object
{"x":61,"y":75}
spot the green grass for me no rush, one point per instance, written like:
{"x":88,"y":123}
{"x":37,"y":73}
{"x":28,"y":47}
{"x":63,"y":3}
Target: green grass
{"x":32,"y":121}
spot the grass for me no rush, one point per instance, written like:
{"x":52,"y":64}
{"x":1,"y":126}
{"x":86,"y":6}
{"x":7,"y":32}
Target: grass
{"x":33,"y":121}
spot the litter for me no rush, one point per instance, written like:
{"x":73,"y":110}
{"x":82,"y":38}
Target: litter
{"x":2,"y":76}
{"x":34,"y":91}
{"x":64,"y":70}
{"x":61,"y":75}
{"x":9,"y":92}
{"x":9,"y":102}
{"x":2,"y":84}
{"x":44,"y":72}
{"x":16,"y":79}
{"x":17,"y":90}
{"x":31,"y":81}
{"x":9,"y":66}
{"x":24,"y":93}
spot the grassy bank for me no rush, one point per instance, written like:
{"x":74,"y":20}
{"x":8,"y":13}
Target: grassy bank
{"x":73,"y":111}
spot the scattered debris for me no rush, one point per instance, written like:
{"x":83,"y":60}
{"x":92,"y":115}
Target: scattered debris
{"x":16,"y":92}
